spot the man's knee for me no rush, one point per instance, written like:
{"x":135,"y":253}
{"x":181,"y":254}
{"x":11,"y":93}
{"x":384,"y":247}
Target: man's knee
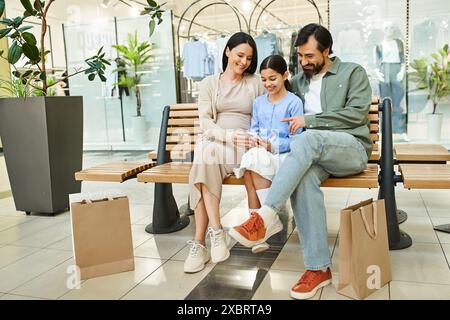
{"x":307,"y":139}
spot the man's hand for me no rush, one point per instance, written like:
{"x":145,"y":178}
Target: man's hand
{"x":295,"y":123}
{"x":243,"y":139}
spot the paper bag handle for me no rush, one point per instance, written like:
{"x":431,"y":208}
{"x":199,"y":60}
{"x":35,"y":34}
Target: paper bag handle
{"x":362,"y":210}
{"x":89,"y":201}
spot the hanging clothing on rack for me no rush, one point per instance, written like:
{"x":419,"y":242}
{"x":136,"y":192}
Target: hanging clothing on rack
{"x":220,"y":44}
{"x":267,"y":44}
{"x":194,"y":56}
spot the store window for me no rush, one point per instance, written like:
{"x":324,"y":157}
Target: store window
{"x":429,"y":23}
{"x":373,"y":34}
{"x":108,"y":109}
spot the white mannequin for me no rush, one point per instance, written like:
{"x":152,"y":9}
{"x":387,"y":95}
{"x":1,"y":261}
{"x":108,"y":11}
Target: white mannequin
{"x":390,"y":51}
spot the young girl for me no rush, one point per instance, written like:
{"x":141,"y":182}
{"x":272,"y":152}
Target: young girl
{"x":270,"y":136}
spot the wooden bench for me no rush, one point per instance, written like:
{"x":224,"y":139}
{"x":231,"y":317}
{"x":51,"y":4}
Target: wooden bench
{"x":166,"y":216}
{"x":180,"y":126}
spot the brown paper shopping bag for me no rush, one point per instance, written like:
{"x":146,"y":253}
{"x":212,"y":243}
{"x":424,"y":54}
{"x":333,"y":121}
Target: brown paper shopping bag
{"x":364,"y":264}
{"x":101,"y":234}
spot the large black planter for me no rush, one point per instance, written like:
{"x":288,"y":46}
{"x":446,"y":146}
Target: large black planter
{"x":43,"y":146}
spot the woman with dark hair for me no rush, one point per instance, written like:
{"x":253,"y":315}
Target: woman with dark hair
{"x":225,"y":107}
{"x":271,"y":138}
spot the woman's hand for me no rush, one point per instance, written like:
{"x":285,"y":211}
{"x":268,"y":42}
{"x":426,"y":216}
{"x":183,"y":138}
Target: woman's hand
{"x":243,"y":139}
{"x":295,"y":123}
{"x":264,"y":144}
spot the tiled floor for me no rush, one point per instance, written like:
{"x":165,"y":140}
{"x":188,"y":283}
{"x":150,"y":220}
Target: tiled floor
{"x":36,"y":251}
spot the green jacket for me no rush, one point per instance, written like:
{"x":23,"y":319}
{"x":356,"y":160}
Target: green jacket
{"x":345,"y":97}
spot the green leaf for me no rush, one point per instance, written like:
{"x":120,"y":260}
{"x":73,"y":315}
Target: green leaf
{"x":25,"y":28}
{"x":43,"y":76}
{"x":6,"y":21}
{"x":18,"y":21}
{"x":27,"y":5}
{"x":29,"y":38}
{"x":151,"y":27}
{"x":37,"y":5}
{"x":16,"y":74}
{"x":30,"y":51}
{"x":152,"y":3}
{"x":4,"y":32}
{"x":91,"y":77}
{"x":14,"y":54}
{"x":102,"y":77}
{"x":2,"y":7}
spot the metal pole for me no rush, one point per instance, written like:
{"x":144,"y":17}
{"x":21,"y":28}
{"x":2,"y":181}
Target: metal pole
{"x":397,"y":238}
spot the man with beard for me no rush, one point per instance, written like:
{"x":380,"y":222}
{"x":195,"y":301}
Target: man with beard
{"x":337,"y":97}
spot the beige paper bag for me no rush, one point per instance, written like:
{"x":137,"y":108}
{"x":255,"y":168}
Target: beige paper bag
{"x":101,"y":234}
{"x":364,"y":264}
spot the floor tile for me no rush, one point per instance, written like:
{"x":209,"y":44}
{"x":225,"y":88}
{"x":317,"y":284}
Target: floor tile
{"x":7,"y":222}
{"x":277,"y":285}
{"x":167,"y":282}
{"x":49,"y":285}
{"x":443,"y":237}
{"x":420,"y":230}
{"x":64,"y":244}
{"x":161,"y":246}
{"x":30,"y":267}
{"x":422,"y":262}
{"x":47,"y":236}
{"x":34,"y":227}
{"x":10,"y":254}
{"x":401,"y":290}
{"x":113,"y":287}
{"x":139,"y":235}
{"x":291,"y":259}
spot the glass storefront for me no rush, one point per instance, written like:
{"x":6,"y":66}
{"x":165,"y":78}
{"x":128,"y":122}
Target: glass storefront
{"x":108,"y":111}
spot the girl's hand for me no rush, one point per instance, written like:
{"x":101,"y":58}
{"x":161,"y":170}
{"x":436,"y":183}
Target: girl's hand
{"x":243,"y":139}
{"x":295,"y":123}
{"x":264,"y":144}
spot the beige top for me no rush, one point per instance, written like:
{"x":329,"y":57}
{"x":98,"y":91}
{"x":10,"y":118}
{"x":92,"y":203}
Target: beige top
{"x":219,"y":102}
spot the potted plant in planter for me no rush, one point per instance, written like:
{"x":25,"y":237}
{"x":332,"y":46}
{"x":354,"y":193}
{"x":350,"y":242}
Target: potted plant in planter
{"x":42,"y":136}
{"x":434,"y":78}
{"x":133,"y":57}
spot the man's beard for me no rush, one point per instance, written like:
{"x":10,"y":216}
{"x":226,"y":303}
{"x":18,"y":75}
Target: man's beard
{"x":315,"y":69}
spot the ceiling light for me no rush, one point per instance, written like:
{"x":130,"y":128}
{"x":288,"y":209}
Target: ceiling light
{"x":246,"y":6}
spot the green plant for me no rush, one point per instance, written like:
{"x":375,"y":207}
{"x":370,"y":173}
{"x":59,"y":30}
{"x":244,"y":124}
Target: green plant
{"x":134,"y":55}
{"x":16,"y":87}
{"x":433,"y":77}
{"x":25,"y":46}
{"x":155,"y":12}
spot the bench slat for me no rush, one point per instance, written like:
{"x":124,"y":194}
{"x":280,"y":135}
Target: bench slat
{"x":422,"y":176}
{"x":421,"y":152}
{"x":113,"y":171}
{"x":184,"y":106}
{"x":193,"y":122}
{"x":179,"y":173}
{"x":184,"y":114}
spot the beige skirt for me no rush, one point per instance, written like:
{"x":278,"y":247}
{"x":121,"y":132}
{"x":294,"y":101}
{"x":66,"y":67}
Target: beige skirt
{"x":213,"y":162}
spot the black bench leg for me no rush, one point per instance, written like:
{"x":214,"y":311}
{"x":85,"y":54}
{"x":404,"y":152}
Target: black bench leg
{"x":166,"y":217}
{"x":402,"y":216}
{"x":397,"y":238}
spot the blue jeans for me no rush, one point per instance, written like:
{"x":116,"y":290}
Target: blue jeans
{"x":315,"y":154}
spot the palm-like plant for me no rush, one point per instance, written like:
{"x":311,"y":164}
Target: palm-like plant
{"x":135,"y":55}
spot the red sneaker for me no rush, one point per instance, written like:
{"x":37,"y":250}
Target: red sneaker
{"x":254,"y":232}
{"x":309,"y":283}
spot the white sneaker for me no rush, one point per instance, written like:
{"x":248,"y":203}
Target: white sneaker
{"x":197,"y":259}
{"x":219,"y":247}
